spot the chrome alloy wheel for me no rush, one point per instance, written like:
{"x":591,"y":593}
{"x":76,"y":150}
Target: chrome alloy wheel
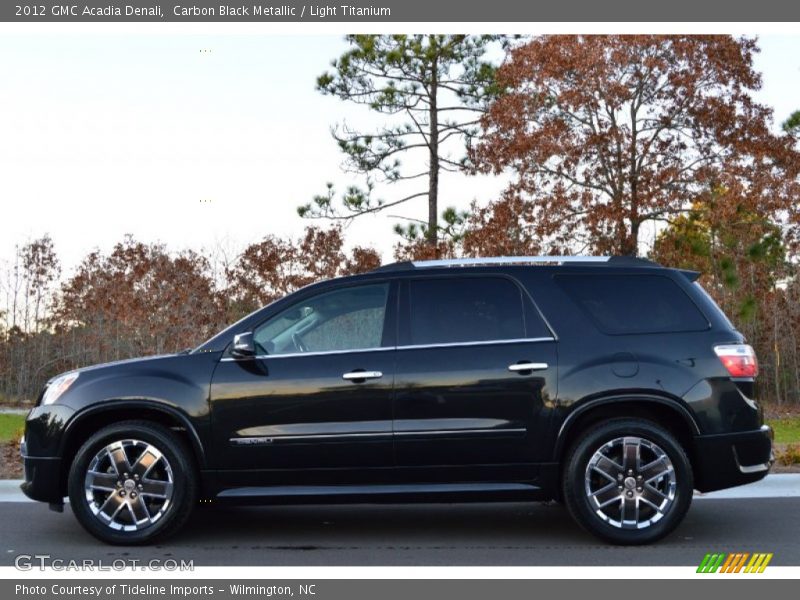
{"x":129,"y":485}
{"x":630,"y":483}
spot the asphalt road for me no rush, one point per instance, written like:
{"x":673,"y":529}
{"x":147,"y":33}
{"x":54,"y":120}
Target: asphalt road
{"x":440,"y":534}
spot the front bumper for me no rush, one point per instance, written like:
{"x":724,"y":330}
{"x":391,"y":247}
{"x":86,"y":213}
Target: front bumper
{"x":41,"y":450}
{"x":730,"y":459}
{"x":42,"y":477}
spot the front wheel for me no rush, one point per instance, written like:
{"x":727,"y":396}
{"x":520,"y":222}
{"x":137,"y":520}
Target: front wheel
{"x":131,"y":483}
{"x":628,"y":481}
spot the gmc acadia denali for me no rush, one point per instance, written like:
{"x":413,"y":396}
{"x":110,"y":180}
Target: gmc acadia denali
{"x":613,"y":385}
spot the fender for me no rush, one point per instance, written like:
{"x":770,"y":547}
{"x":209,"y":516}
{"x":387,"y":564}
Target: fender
{"x":586,"y":405}
{"x":111,"y":405}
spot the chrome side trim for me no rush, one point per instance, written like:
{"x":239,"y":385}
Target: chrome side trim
{"x":320,"y":353}
{"x":480,"y":343}
{"x":265,"y":440}
{"x":405,"y":347}
{"x":461,"y":431}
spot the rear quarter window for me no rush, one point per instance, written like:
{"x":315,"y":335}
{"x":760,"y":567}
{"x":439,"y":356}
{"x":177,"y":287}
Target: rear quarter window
{"x":633,"y":304}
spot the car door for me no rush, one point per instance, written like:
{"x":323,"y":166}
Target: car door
{"x":476,"y":377}
{"x":315,"y":404}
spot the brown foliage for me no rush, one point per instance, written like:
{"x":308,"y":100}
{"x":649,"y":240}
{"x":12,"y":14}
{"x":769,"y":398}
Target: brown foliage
{"x":276,"y":266}
{"x":605,"y":133}
{"x":139,"y":300}
{"x":361,"y":260}
{"x":422,"y":249}
{"x":506,"y":227}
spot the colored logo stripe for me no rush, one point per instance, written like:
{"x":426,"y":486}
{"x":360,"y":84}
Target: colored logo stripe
{"x":731,"y":559}
{"x":735,"y":562}
{"x":710,"y":563}
{"x":758,"y":563}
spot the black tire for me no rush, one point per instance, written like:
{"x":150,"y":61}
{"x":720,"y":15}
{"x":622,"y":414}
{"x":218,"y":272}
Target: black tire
{"x":586,"y":505}
{"x":175,"y":463}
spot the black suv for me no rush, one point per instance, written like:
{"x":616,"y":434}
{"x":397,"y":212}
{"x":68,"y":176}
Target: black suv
{"x":613,"y":385}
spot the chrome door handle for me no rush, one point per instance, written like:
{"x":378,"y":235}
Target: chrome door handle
{"x":527,"y":366}
{"x":354,"y":375}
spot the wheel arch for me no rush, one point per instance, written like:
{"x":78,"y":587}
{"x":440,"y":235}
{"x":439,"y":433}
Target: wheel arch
{"x":667,"y":412}
{"x":92,"y":419}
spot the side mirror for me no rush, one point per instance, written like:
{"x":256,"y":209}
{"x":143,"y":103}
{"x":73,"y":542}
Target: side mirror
{"x":244,"y":346}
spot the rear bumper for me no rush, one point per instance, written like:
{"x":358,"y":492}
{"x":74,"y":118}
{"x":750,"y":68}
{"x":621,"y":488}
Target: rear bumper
{"x":730,"y":459}
{"x":42,"y":477}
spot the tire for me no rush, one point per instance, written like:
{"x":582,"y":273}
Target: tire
{"x":639,"y":507}
{"x":132,"y":483}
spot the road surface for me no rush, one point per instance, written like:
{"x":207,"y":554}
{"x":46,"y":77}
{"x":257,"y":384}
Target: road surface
{"x":759,"y":518}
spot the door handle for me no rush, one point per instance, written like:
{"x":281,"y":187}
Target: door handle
{"x":357,"y":375}
{"x":527,"y":366}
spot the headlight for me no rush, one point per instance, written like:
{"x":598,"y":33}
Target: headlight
{"x":58,"y":386}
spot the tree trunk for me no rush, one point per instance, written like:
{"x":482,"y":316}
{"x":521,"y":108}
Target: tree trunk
{"x":632,"y":241}
{"x":776,"y":349}
{"x":15,"y":288}
{"x":433,"y":161}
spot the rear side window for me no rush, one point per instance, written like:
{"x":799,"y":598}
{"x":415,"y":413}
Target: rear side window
{"x":472,"y":309}
{"x":630,"y":304}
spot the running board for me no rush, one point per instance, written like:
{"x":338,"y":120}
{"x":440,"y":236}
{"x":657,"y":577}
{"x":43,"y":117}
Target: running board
{"x":417,"y":492}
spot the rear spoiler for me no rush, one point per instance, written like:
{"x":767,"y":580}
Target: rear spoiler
{"x":690,"y":275}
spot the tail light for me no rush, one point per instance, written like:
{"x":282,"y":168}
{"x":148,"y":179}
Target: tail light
{"x":739,"y":359}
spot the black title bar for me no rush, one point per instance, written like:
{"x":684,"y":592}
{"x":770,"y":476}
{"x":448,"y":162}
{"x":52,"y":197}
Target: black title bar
{"x":356,"y":11}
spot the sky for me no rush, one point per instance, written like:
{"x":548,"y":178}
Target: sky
{"x":201,"y":141}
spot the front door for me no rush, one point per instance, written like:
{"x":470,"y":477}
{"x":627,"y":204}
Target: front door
{"x":316,"y":403}
{"x":476,"y":378}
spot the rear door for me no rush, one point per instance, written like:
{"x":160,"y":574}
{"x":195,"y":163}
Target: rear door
{"x":475,"y":375}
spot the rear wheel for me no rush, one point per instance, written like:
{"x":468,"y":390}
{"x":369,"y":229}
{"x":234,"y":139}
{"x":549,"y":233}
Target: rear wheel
{"x":131,"y":483}
{"x":628,"y":481}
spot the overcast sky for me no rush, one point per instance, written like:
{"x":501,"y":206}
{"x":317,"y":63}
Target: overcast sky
{"x":103,"y":135}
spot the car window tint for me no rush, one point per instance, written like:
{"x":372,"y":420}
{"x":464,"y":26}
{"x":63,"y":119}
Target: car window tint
{"x":356,"y":329}
{"x":347,"y":319}
{"x":630,"y":304}
{"x":470,"y":309}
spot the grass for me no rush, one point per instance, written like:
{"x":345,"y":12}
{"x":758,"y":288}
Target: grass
{"x":787,"y":430}
{"x":11,"y":427}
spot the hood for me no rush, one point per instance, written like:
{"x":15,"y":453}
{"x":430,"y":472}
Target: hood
{"x":142,"y":360}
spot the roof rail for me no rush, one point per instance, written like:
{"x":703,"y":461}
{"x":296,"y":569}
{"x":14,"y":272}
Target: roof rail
{"x":519,"y":260}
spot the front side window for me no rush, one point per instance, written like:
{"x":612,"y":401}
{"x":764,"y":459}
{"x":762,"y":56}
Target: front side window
{"x":348,"y":319}
{"x":469,"y":309}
